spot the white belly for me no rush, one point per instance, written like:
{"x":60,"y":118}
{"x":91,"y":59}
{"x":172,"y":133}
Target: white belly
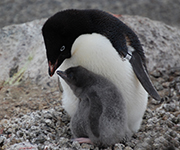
{"x":95,"y":52}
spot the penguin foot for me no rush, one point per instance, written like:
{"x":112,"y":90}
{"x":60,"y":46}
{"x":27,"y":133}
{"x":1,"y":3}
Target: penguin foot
{"x":83,"y":140}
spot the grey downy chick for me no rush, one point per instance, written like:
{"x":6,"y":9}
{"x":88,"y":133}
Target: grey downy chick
{"x":100,"y":118}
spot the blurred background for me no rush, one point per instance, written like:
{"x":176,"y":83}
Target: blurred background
{"x":20,"y":11}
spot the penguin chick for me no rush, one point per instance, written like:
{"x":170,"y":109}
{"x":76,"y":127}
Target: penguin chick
{"x":101,"y":116}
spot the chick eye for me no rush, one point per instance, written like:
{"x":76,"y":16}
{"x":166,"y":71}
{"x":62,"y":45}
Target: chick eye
{"x":62,"y":48}
{"x":70,"y":75}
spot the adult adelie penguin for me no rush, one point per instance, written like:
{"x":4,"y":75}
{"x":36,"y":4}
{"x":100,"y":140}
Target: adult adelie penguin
{"x":101,"y":117}
{"x":103,"y":44}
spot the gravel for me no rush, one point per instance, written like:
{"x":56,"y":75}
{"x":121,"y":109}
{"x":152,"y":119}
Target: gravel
{"x":49,"y":129}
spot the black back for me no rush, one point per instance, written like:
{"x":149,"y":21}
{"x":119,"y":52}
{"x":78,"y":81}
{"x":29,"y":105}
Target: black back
{"x":67,"y":25}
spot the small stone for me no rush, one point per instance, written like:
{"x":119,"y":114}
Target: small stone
{"x":4,"y":122}
{"x":173,"y":134}
{"x":48,"y":121}
{"x":172,"y":84}
{"x":156,"y":146}
{"x":166,"y":92}
{"x":169,"y":123}
{"x":76,"y":145}
{"x":63,"y":140}
{"x":128,"y":148}
{"x":170,"y":107}
{"x":87,"y":146}
{"x":118,"y":146}
{"x":24,"y":146}
{"x":2,"y":139}
{"x":20,"y":134}
{"x":166,"y":99}
{"x":155,"y":102}
{"x":176,"y":120}
{"x":156,"y":74}
{"x":165,"y":84}
{"x":178,"y":87}
{"x":40,"y":139}
{"x":178,"y":127}
{"x":178,"y":78}
{"x":160,"y":139}
{"x":158,"y":86}
{"x":48,"y":115}
{"x":10,"y":130}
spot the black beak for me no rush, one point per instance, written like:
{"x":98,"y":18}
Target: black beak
{"x":52,"y":68}
{"x":62,"y":74}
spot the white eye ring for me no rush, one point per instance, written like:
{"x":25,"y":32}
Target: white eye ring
{"x":62,"y":48}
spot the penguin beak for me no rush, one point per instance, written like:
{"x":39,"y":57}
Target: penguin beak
{"x":52,"y":68}
{"x":62,"y":74}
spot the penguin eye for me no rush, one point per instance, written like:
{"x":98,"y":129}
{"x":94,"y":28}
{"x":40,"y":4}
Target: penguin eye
{"x":62,"y":48}
{"x":71,"y":75}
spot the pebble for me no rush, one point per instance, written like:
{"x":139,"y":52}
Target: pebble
{"x":165,"y":84}
{"x":2,"y":139}
{"x":178,"y":88}
{"x":118,"y":146}
{"x":170,"y":107}
{"x":23,"y":146}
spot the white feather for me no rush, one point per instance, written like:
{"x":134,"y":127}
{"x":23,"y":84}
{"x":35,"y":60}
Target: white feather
{"x":96,"y":53}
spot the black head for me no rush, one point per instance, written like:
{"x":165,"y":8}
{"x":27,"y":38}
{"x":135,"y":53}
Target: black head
{"x":78,"y":77}
{"x":60,"y":32}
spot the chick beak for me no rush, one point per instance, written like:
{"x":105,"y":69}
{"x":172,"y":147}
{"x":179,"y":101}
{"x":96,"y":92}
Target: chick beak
{"x":62,"y":74}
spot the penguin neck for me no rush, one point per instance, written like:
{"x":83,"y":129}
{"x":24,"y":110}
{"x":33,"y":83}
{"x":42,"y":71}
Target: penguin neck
{"x":78,"y":91}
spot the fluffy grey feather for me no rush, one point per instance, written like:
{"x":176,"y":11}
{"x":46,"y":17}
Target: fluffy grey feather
{"x":101,"y":113}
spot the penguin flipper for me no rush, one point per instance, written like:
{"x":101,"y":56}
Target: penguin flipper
{"x":143,"y":76}
{"x":95,"y":112}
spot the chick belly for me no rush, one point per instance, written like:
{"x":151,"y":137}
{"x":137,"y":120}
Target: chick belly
{"x":69,"y":100}
{"x":79,"y":126}
{"x":80,"y":120}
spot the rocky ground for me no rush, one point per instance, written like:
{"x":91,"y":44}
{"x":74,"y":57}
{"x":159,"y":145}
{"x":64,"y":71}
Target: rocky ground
{"x":35,"y":119}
